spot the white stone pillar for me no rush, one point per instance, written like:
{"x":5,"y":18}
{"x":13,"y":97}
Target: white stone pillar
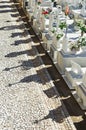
{"x":50,"y":22}
{"x":74,"y":3}
{"x":65,"y":45}
{"x":84,"y":79}
{"x":35,"y":10}
{"x":33,"y":5}
{"x":42,"y":22}
{"x":39,"y":13}
{"x":57,"y":17}
{"x":83,"y":11}
{"x":29,"y":2}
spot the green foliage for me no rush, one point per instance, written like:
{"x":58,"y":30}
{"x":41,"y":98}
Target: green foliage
{"x":83,"y":28}
{"x":81,"y":25}
{"x":59,"y":36}
{"x":82,"y":41}
{"x":53,"y":30}
{"x":75,"y":46}
{"x":62,"y":25}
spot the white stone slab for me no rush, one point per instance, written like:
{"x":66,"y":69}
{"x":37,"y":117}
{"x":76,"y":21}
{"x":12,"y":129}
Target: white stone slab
{"x":80,"y":96}
{"x":72,"y":77}
{"x":75,"y":74}
{"x":68,"y":82}
{"x":53,"y":53}
{"x":47,"y":42}
{"x":65,"y":58}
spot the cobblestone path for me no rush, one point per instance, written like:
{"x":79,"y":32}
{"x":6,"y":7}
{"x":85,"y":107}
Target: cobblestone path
{"x":28,"y":99}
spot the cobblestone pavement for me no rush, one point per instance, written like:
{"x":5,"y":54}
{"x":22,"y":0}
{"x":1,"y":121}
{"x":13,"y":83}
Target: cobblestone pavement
{"x":28,"y":99}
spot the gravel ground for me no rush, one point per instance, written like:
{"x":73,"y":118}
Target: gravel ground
{"x":23,"y":102}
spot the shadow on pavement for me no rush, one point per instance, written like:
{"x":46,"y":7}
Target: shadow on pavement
{"x":55,"y":115}
{"x":12,"y":27}
{"x":15,"y":54}
{"x":32,"y":78}
{"x":18,"y":42}
{"x":20,"y":34}
{"x":5,"y":6}
{"x":15,"y":15}
{"x":51,"y":93}
{"x":82,"y":124}
{"x":25,"y":65}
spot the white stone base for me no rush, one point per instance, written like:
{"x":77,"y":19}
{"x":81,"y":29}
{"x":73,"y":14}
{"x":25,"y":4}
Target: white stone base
{"x":47,"y":42}
{"x":65,"y":58}
{"x":34,"y":22}
{"x":53,"y":53}
{"x":68,"y":83}
{"x":72,"y":79}
{"x":58,"y":68}
{"x":29,"y":14}
{"x":79,"y":100}
{"x":44,"y":32}
{"x":44,"y":45}
{"x":36,"y":26}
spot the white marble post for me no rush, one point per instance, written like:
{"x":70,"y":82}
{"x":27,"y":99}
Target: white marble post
{"x":83,"y":12}
{"x":84,"y":79}
{"x":35,"y":10}
{"x":33,"y":5}
{"x":74,"y":3}
{"x":42,"y":22}
{"x":65,"y":45}
{"x":51,"y":17}
{"x":54,"y":38}
{"x":39,"y":13}
{"x":57,"y":25}
{"x":30,"y":3}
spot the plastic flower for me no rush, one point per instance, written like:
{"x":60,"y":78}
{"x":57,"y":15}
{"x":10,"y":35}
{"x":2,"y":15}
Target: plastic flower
{"x":45,"y":12}
{"x":67,"y":10}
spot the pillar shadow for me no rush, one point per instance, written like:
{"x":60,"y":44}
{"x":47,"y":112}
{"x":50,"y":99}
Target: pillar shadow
{"x":82,"y":124}
{"x":5,"y":6}
{"x":21,"y":26}
{"x":73,"y":107}
{"x":18,"y":42}
{"x":15,"y":54}
{"x":21,"y":34}
{"x":51,"y":93}
{"x":31,"y":78}
{"x":55,"y":114}
{"x":15,"y":15}
{"x":25,"y":65}
{"x":17,"y":34}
